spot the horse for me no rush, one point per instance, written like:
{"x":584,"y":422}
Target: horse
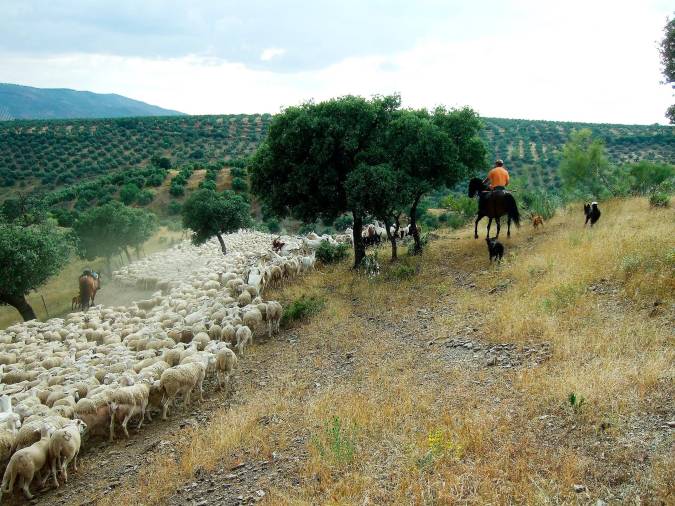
{"x":88,"y":288}
{"x":493,"y":204}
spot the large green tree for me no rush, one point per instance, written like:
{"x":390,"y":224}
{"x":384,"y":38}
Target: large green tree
{"x":433,"y":150}
{"x":667,"y":51}
{"x":301,"y":168}
{"x":584,"y":167}
{"x":208,"y":213}
{"x":29,"y":256}
{"x":111,"y":229}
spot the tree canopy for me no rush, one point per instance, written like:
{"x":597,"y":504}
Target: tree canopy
{"x":667,"y":52}
{"x":208,"y":213}
{"x":584,"y":166}
{"x":303,"y":166}
{"x":29,"y":256}
{"x":110,"y":229}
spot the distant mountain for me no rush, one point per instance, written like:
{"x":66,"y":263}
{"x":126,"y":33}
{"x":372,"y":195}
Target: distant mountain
{"x":26,"y":102}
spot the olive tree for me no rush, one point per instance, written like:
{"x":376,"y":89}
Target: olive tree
{"x":667,"y":52}
{"x":584,"y":166}
{"x":111,"y":229}
{"x":301,"y":168}
{"x":29,"y":256}
{"x":208,"y":213}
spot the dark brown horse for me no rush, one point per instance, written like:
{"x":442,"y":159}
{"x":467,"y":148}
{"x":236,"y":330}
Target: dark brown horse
{"x":88,"y":288}
{"x":493,"y":204}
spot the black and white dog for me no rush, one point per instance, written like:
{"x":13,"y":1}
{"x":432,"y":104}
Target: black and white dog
{"x":495,"y":248}
{"x":592,"y":213}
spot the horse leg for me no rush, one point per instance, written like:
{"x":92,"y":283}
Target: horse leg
{"x":508,"y":227}
{"x":475,"y":229}
{"x":488,"y":227}
{"x":499,"y":226}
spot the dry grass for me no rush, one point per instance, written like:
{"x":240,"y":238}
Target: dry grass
{"x":415,"y":428}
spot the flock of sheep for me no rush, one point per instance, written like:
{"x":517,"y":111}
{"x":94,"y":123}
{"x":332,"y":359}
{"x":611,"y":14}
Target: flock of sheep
{"x":93,"y":372}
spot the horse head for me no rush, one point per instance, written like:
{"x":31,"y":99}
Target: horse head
{"x":476,"y":186}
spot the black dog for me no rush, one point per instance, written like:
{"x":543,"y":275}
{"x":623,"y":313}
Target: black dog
{"x":495,"y":248}
{"x":592,"y":213}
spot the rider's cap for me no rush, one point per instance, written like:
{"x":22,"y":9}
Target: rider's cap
{"x":499,"y":162}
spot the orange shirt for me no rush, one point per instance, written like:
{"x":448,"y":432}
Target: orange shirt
{"x":498,"y":176}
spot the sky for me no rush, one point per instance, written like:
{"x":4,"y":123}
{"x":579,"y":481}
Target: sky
{"x":590,"y":60}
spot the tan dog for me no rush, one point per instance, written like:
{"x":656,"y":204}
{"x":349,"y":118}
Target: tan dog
{"x":537,"y":220}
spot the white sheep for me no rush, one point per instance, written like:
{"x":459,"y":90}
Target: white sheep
{"x":26,"y":462}
{"x":182,"y":379}
{"x":64,"y":447}
{"x":244,"y":336}
{"x":127,"y":402}
{"x":8,"y":432}
{"x":226,"y":361}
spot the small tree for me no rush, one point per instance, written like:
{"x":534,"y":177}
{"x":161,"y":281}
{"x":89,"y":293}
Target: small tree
{"x":584,"y":165}
{"x":129,"y":193}
{"x":111,"y":229}
{"x":29,"y":256}
{"x":432,"y":151}
{"x":208,"y":213}
{"x":667,"y":52}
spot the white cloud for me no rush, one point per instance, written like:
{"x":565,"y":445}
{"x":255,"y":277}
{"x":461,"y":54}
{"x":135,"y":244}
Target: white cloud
{"x":554,"y":64}
{"x":271,"y":52}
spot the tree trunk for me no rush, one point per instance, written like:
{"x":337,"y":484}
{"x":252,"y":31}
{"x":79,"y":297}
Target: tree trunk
{"x":392,"y":239}
{"x":413,"y":226}
{"x":359,"y":248}
{"x":19,"y":303}
{"x":126,"y":251}
{"x":222,"y":244}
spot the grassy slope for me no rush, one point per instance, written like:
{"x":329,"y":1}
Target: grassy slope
{"x":430,"y":424}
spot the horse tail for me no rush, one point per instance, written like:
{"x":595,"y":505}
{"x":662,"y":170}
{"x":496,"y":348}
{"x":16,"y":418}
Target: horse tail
{"x":85,"y":295}
{"x":512,"y":209}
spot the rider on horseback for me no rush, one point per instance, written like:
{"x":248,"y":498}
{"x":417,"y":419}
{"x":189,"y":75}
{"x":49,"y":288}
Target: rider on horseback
{"x":90,"y":272}
{"x":498,"y":177}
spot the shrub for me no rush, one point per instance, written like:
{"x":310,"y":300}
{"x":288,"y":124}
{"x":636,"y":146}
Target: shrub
{"x":454,"y":221}
{"x":659,"y":199}
{"x":176,"y":190}
{"x":336,"y":444}
{"x":174,"y":207}
{"x":129,"y":193}
{"x":370,"y":265}
{"x":208,"y":184}
{"x":145,"y":197}
{"x":301,"y":309}
{"x":239,"y":185}
{"x":327,"y":253}
{"x":462,"y":205}
{"x":400,"y":272}
{"x":273,"y":225}
{"x":424,"y":239}
{"x":342,"y":222}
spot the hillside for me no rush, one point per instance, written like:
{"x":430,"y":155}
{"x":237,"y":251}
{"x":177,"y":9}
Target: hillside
{"x":26,"y":102}
{"x":50,"y":154}
{"x":444,"y":380}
